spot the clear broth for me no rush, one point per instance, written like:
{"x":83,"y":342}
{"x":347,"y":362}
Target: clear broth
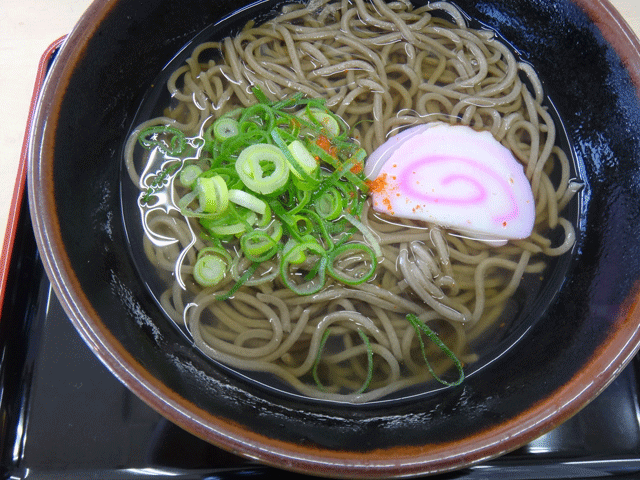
{"x":529,"y":302}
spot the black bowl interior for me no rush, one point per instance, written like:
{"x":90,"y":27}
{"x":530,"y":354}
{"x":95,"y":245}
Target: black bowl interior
{"x":88,"y":107}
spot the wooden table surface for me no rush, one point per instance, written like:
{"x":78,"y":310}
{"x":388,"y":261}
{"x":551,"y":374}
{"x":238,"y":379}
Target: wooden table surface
{"x":27,"y":28}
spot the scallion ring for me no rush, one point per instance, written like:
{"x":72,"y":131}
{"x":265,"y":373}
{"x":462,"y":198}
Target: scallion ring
{"x":303,"y":159}
{"x":258,"y":246}
{"x":355,"y":250}
{"x":326,"y":121}
{"x":262,"y":168}
{"x":303,"y":224}
{"x":309,"y":250}
{"x":209,"y":270}
{"x":308,"y":178}
{"x":224,"y":128}
{"x":213,"y":194}
{"x":189,"y":174}
{"x":330,"y":204}
{"x":247,"y":200}
{"x":219,"y":251}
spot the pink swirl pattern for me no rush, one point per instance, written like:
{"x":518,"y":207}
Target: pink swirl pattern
{"x":407,"y":184}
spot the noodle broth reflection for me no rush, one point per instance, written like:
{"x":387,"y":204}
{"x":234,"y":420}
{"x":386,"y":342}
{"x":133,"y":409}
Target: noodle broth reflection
{"x":424,"y":301}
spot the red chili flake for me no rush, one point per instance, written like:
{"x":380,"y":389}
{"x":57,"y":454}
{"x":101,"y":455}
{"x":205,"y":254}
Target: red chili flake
{"x":357,"y":168}
{"x":324,"y":143}
{"x":378,"y":185}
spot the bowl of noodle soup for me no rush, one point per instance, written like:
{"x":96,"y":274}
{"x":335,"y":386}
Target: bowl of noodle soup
{"x":203,"y":204}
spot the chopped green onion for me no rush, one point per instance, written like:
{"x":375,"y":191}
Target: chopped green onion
{"x":259,"y":94}
{"x":313,"y":285}
{"x":367,"y":343}
{"x":346,"y":236}
{"x":217,"y":250}
{"x":303,"y":225}
{"x":325,"y":120}
{"x":322,"y":227}
{"x":280,"y":184}
{"x":262,"y":168}
{"x":225,"y":230}
{"x":189,"y":174}
{"x":314,"y":370}
{"x":258,"y":246}
{"x":247,"y":200}
{"x":296,"y":259}
{"x":301,"y":172}
{"x":266,"y":217}
{"x":209,"y":270}
{"x":299,"y":201}
{"x":258,"y":116}
{"x":241,"y":281}
{"x":225,"y":127}
{"x":366,"y":233}
{"x":352,"y":248}
{"x":422,"y":328}
{"x":275,"y":230}
{"x":303,"y":158}
{"x":283,"y":215}
{"x":330,"y":204}
{"x":296,"y":99}
{"x":213,"y":195}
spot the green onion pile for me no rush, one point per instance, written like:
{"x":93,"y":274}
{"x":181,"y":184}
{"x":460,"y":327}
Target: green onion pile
{"x":278,"y":181}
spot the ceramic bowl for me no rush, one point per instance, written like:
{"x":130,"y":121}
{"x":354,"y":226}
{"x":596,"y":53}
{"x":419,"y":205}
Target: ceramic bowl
{"x":569,"y":350}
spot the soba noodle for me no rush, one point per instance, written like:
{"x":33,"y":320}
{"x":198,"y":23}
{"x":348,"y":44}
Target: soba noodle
{"x":381,"y":67}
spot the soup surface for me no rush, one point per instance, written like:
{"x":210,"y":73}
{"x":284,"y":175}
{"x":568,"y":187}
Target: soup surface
{"x":250,"y":205}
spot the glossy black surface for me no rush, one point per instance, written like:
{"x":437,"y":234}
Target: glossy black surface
{"x":66,"y":416}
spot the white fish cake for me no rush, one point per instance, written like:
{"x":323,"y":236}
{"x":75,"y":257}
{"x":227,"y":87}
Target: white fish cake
{"x":455,"y":177}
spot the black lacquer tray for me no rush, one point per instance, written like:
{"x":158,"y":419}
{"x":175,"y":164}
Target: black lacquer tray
{"x":64,"y":415}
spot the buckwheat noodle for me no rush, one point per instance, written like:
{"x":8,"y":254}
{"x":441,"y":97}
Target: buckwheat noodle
{"x":382,"y":67}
